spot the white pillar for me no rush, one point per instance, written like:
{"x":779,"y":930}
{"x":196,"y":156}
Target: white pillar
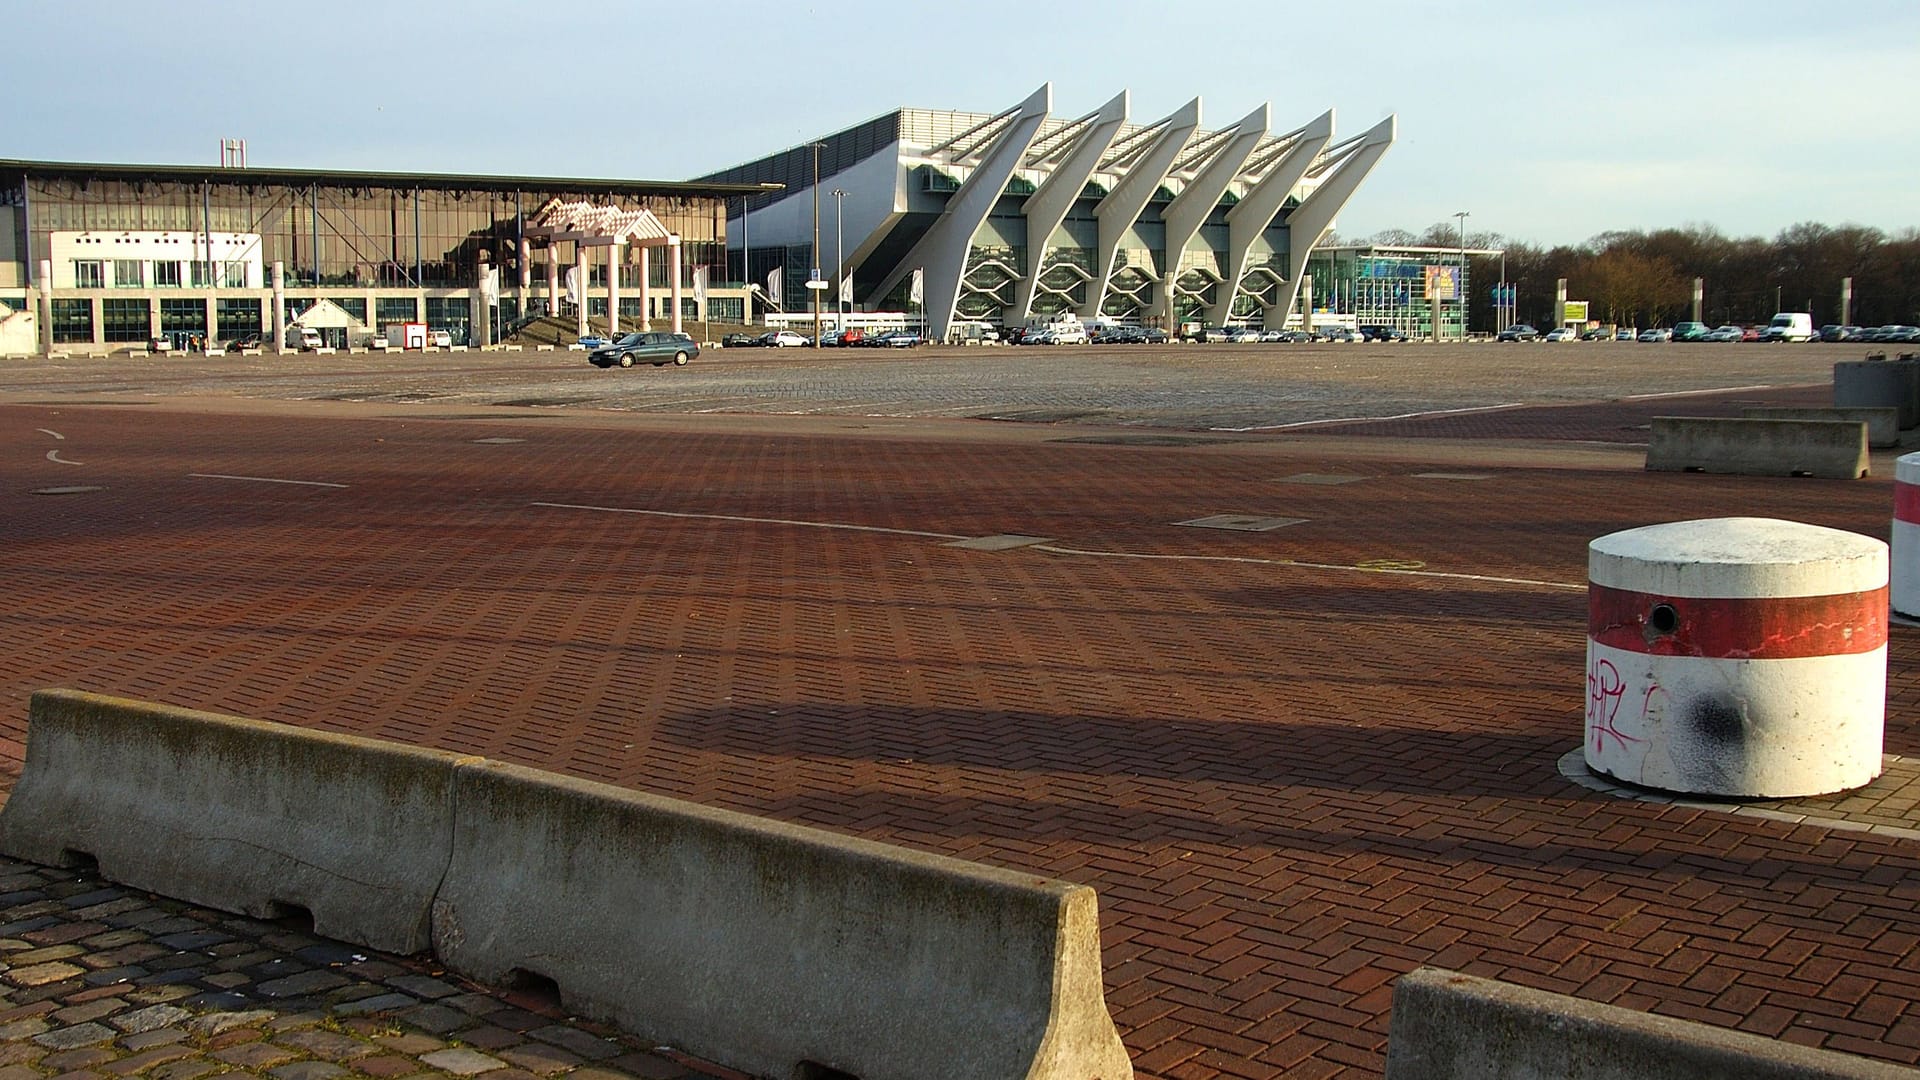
{"x":613,"y":289}
{"x":279,"y":320}
{"x":646,"y":288}
{"x":46,"y":306}
{"x":525,"y":283}
{"x":480,"y":327}
{"x":673,"y":279}
{"x":580,"y":275}
{"x":553,"y":279}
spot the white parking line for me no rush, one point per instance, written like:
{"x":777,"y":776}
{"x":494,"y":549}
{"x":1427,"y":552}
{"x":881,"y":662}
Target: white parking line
{"x":1370,"y":419}
{"x":264,"y":480}
{"x":1693,"y":393}
{"x":752,"y":520}
{"x":54,"y":456}
{"x":50,"y":431}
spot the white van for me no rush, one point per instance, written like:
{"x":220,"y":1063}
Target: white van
{"x":1790,"y":326}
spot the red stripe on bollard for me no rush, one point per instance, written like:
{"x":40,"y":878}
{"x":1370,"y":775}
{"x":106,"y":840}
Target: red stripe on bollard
{"x":1906,"y":503}
{"x":1737,"y":628}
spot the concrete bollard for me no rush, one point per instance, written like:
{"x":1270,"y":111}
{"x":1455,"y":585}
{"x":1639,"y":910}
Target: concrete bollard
{"x":1906,"y":535}
{"x":1737,"y":657}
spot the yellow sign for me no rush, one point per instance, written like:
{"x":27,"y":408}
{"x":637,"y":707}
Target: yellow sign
{"x":1574,"y":311}
{"x":1443,"y":283}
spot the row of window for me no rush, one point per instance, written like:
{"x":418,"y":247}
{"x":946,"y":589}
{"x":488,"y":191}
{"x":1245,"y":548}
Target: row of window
{"x":158,"y":274}
{"x":130,"y":320}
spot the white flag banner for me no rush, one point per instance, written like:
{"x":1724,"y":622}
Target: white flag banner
{"x":846,"y":289}
{"x":918,"y":293}
{"x":573,"y":284}
{"x":490,"y":286}
{"x":774,"y":292}
{"x":700,"y":286}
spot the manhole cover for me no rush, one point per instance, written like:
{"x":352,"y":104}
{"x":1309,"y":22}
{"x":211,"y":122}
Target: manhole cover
{"x":539,"y":402}
{"x":498,"y":440}
{"x":1453,"y":476}
{"x":81,"y":489}
{"x":1002,"y":542}
{"x":1242,"y":522}
{"x":1325,"y":479}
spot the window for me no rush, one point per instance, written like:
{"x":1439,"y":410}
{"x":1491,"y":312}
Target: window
{"x":393,"y":309}
{"x":199,"y":274}
{"x":239,"y":317}
{"x":183,"y":316}
{"x":166,"y":275}
{"x":125,"y":320}
{"x":127,"y":274}
{"x":450,"y":313}
{"x":233,"y":275}
{"x":725,"y":309}
{"x":89,"y":274}
{"x":73,"y":320}
{"x":355,"y":306}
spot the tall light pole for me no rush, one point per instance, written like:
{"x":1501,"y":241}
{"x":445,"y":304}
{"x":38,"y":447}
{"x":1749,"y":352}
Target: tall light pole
{"x":1460,"y":284}
{"x":812,"y":284}
{"x":839,"y":263}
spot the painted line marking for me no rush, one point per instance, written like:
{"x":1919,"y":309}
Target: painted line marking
{"x":54,"y":456}
{"x":1695,"y":393}
{"x":50,"y":431}
{"x":264,"y":480}
{"x":1373,"y":419}
{"x":1057,"y":550}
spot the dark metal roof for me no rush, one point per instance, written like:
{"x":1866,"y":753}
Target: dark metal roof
{"x":341,"y":178}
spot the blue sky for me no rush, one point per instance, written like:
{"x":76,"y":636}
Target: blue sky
{"x":1548,"y":122}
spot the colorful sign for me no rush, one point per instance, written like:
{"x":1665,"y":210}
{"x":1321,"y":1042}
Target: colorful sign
{"x":1443,"y":283}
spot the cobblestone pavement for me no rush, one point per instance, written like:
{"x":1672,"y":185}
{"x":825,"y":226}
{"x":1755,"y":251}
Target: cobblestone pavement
{"x":1295,"y":761}
{"x":97,"y":981}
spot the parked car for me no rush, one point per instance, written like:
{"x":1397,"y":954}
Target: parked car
{"x":650,"y":347}
{"x":1298,"y":337}
{"x":1243,"y":335}
{"x":1518,"y":332}
{"x":1381,"y":333}
{"x":894,"y":339}
{"x":1690,"y":331}
{"x":783,"y":339}
{"x":1148,"y":335}
{"x":1339,"y":333}
{"x":1561,"y":333}
{"x":844,"y":339}
{"x":1724,"y":333}
{"x":1790,"y":326}
{"x":1905,"y":335}
{"x":1837,"y":332}
{"x":1625,"y":333}
{"x":1597,"y":334}
{"x":1042,"y":336}
{"x":1656,"y":334}
{"x":739,"y":341}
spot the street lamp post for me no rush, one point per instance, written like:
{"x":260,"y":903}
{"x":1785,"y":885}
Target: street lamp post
{"x":816,"y":244}
{"x":839,"y":264}
{"x":1459,"y":285}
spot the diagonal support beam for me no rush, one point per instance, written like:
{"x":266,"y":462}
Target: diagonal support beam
{"x":1047,"y":207}
{"x":1128,"y":199}
{"x":1249,"y":217}
{"x":1189,"y":209}
{"x":1311,"y":219}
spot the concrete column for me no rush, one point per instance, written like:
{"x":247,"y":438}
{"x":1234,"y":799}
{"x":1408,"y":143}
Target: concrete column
{"x":1306,"y":303}
{"x":524,"y":284}
{"x":1560,"y":302}
{"x":673,"y":280}
{"x":1846,"y":301}
{"x":1737,"y":657}
{"x":613,"y":289}
{"x":580,"y":268}
{"x":482,"y":326}
{"x":553,"y":279}
{"x":1699,"y":297}
{"x":46,"y":306}
{"x":213,"y":324}
{"x":646,"y":288}
{"x":278,"y":316}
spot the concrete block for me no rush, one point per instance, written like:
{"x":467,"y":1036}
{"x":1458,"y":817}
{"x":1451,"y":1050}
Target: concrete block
{"x":1825,"y":448}
{"x":768,"y":946}
{"x":1449,"y":1026}
{"x":1879,"y":384}
{"x":237,"y":814}
{"x":1883,"y":424}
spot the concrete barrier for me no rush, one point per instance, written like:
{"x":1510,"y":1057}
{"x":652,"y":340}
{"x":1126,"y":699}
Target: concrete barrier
{"x":1879,"y":383}
{"x":1883,"y":424}
{"x":1824,"y":448}
{"x":1449,"y":1026}
{"x":237,"y":814}
{"x":773,"y":948}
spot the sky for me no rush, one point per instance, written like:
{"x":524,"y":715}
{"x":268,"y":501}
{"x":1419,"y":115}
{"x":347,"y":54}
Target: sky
{"x":1547,"y":122}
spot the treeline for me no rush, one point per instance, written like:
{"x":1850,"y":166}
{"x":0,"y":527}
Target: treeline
{"x":1646,"y":278}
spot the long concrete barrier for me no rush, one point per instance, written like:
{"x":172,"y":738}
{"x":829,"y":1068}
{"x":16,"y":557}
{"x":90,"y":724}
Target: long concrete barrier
{"x":1879,"y":383}
{"x":776,"y":949}
{"x":1449,"y":1026}
{"x":237,"y":814}
{"x":1883,"y":424}
{"x":1824,"y":448}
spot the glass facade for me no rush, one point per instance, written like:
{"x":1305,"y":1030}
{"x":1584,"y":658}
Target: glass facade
{"x":239,"y":317}
{"x":183,"y":316}
{"x":123,"y":319}
{"x":72,"y":321}
{"x":1388,"y":287}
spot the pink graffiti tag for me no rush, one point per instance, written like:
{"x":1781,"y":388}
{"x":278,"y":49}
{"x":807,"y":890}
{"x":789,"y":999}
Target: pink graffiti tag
{"x":1605,"y":688}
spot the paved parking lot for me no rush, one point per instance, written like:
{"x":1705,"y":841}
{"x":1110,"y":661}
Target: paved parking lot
{"x":1295,"y":762}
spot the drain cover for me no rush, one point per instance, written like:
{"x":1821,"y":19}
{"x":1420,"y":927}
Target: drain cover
{"x":498,"y":440}
{"x":1241,"y":522}
{"x":1453,"y":476}
{"x":1145,"y":440}
{"x":1002,"y":542}
{"x":1328,"y":479}
{"x":76,"y":490}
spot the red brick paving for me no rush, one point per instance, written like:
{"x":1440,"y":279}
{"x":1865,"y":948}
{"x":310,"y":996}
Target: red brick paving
{"x":1288,"y":784}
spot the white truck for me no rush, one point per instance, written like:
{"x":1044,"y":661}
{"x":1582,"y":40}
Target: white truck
{"x":1790,"y":326}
